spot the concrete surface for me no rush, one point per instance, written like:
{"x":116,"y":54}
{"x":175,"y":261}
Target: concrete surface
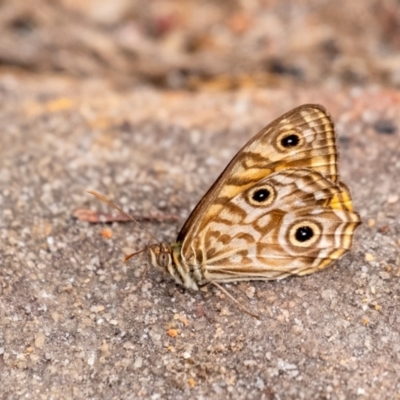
{"x":75,"y":324}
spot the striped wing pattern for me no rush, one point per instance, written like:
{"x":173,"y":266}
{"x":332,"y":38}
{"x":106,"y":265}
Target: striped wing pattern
{"x":245,"y":243}
{"x":233,"y":237}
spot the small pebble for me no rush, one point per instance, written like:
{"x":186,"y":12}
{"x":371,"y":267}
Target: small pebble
{"x":40,"y":339}
{"x":369,"y":257}
{"x":138,"y":363}
{"x":91,"y":360}
{"x":384,"y":275}
{"x":393,"y":199}
{"x":172,"y":333}
{"x":250,"y":291}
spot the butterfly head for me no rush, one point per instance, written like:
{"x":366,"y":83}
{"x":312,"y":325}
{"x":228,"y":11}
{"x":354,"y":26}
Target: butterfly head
{"x":168,"y":258}
{"x":160,"y":255}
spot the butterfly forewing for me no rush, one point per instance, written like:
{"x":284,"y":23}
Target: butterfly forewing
{"x":301,"y":138}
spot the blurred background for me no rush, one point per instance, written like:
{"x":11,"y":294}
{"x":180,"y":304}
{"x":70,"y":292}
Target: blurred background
{"x":205,"y":45}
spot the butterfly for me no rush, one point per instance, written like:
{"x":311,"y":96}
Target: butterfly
{"x":278,"y":209}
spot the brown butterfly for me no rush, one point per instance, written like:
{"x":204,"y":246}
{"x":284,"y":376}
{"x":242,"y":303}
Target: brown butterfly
{"x":278,"y":209}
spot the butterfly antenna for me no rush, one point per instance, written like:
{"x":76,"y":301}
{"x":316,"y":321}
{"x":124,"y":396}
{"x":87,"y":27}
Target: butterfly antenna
{"x":111,"y":204}
{"x":129,"y":256}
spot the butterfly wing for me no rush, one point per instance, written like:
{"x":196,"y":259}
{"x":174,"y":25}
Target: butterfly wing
{"x":283,"y":225}
{"x":301,"y":138}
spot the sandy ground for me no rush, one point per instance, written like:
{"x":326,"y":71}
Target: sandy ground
{"x":74,"y":323}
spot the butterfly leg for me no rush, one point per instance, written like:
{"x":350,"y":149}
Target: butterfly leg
{"x":242,"y":307}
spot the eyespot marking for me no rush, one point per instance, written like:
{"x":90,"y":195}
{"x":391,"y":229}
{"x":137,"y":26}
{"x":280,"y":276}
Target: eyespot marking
{"x":261,"y":196}
{"x":289,"y":139}
{"x":304,"y":233}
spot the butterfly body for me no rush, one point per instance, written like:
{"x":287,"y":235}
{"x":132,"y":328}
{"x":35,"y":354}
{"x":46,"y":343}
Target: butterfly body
{"x":168,"y":258}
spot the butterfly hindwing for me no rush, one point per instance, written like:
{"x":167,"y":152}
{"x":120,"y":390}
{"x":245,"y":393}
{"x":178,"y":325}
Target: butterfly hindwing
{"x":280,"y":226}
